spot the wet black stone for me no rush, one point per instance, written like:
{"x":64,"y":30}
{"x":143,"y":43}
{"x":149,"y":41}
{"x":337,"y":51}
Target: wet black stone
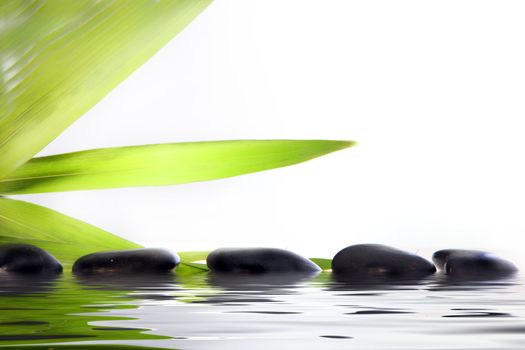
{"x":471,"y":263}
{"x":379,"y":261}
{"x":27,"y":259}
{"x":145,"y":260}
{"x":259,"y":260}
{"x":441,"y":256}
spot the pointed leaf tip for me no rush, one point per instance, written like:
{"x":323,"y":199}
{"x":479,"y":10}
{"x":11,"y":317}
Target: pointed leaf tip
{"x":160,"y":165}
{"x":344,"y":144}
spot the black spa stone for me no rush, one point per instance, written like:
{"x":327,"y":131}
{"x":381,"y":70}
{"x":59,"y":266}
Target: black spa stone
{"x":379,"y":261}
{"x":441,"y":256}
{"x":145,"y":260}
{"x":259,"y":260}
{"x":465,"y":263}
{"x":27,"y":259}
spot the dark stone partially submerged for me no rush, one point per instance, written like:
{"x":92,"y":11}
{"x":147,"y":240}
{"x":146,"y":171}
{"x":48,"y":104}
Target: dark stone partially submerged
{"x":27,"y":259}
{"x":441,"y":256}
{"x":259,"y":260}
{"x":379,"y":261}
{"x":146,"y":260}
{"x":471,"y":263}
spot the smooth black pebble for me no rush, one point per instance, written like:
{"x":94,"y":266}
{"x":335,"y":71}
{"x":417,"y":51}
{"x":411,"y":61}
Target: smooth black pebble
{"x":472,"y":263}
{"x":379,"y":261}
{"x":146,"y":260}
{"x":259,"y":260}
{"x":27,"y":259}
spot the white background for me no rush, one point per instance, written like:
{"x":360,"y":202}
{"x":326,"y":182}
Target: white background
{"x":432,"y":90}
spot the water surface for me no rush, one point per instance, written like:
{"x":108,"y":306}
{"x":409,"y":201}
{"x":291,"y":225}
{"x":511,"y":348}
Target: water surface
{"x":207,"y":311}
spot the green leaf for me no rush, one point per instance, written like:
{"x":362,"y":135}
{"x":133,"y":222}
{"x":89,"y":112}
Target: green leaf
{"x":190,"y":262}
{"x":64,"y":237}
{"x":324,"y":264}
{"x":157,"y":165}
{"x":58,"y":58}
{"x":192,"y":257}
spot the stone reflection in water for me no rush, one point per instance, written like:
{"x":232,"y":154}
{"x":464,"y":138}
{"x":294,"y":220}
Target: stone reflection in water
{"x":13,"y":284}
{"x":376,"y":283}
{"x":377,"y":312}
{"x":374,"y":290}
{"x":157,"y":286}
{"x":127,"y":282}
{"x":483,"y":282}
{"x":253,"y":288}
{"x":258,"y":282}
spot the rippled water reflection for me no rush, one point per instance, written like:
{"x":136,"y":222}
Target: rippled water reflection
{"x":208,"y":311}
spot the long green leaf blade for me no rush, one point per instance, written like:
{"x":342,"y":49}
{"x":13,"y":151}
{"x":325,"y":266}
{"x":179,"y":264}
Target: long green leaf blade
{"x":163,"y":164}
{"x":64,"y":237}
{"x":58,"y":58}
